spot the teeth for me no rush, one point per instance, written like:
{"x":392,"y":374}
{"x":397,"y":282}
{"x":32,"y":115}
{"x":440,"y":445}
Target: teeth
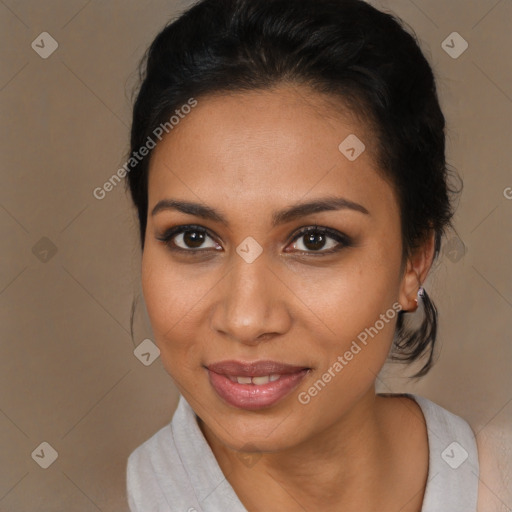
{"x":258,"y":381}
{"x":261,"y":380}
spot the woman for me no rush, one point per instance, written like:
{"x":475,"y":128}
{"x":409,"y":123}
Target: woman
{"x":291,"y":189}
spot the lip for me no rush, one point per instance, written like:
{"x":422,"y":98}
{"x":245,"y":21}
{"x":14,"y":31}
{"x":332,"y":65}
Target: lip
{"x":252,"y":396}
{"x":253,"y":368}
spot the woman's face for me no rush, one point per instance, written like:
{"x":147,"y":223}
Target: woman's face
{"x":246,"y":285}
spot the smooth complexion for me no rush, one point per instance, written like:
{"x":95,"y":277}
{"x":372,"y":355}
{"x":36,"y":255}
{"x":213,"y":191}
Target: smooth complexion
{"x":247,"y":156}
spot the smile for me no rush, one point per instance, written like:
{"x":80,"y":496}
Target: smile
{"x":254,"y":385}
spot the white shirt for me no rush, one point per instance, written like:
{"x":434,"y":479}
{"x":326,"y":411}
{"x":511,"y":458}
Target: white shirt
{"x":176,"y":471}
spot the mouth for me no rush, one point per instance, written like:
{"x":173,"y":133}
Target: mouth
{"x":254,"y":385}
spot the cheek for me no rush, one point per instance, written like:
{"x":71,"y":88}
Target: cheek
{"x":361,"y":321}
{"x":352,"y":295}
{"x":357,"y":305}
{"x":172,"y":297}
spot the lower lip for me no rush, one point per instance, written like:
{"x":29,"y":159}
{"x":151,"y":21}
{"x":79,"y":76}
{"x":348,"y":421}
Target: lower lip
{"x":251,"y":396}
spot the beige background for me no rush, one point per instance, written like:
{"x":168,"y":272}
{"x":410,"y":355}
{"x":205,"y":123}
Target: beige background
{"x":68,"y":374}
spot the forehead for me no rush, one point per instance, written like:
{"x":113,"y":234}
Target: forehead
{"x":274,"y":145}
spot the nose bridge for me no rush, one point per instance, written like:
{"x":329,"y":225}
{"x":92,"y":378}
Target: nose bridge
{"x":248,"y":306}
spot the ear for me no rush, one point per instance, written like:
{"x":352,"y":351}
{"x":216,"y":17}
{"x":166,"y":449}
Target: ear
{"x":416,"y":269}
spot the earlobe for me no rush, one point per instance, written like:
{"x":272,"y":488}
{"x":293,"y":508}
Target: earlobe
{"x":409,"y":290}
{"x":417,"y":268}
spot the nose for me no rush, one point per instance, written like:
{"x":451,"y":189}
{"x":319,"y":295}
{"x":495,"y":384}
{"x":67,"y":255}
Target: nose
{"x":250,"y":305}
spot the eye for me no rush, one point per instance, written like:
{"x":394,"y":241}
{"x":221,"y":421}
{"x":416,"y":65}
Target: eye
{"x":321,"y":240}
{"x":310,"y":240}
{"x":188,"y":238}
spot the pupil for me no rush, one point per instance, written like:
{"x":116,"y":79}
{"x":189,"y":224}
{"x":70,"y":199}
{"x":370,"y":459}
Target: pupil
{"x":314,"y":240}
{"x":193,"y":238}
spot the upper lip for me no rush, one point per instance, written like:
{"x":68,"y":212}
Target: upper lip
{"x":253,"y":368}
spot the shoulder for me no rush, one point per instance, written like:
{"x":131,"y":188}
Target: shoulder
{"x":156,"y":477}
{"x":453,"y":460}
{"x":176,"y":470}
{"x":156,"y":455}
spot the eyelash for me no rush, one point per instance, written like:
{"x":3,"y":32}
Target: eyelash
{"x":342,"y":239}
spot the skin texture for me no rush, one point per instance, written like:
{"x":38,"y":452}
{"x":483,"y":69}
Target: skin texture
{"x":248,"y":155}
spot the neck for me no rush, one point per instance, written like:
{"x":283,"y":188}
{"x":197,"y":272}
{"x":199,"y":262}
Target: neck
{"x":346,"y":463}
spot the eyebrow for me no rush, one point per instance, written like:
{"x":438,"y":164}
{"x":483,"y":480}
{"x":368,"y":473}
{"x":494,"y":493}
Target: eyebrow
{"x":290,"y":213}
